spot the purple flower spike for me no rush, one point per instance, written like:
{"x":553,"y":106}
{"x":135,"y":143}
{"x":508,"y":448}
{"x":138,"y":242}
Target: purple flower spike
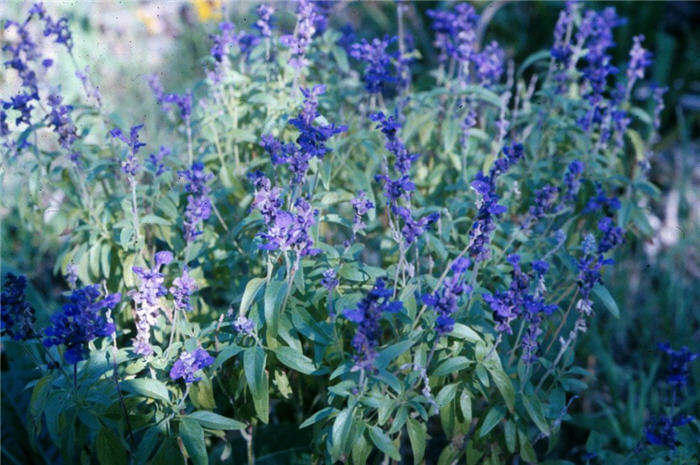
{"x":189,"y":364}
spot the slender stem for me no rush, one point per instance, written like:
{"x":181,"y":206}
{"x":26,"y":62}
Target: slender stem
{"x":134,"y":209}
{"x":561,"y":325}
{"x":188,"y":126}
{"x":115,"y":377}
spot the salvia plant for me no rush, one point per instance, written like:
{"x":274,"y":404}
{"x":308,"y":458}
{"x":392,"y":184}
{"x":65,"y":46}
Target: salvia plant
{"x":401,"y":272}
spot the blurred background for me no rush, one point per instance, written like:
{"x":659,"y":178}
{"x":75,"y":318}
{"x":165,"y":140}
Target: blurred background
{"x":656,"y":281}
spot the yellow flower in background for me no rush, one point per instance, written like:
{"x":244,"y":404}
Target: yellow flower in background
{"x":207,"y":10}
{"x":153,"y":25}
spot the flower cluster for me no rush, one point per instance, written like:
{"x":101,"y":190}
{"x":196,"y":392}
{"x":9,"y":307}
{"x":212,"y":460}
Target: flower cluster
{"x":518,"y":301}
{"x":455,"y":31}
{"x":243,"y":325}
{"x":181,"y":290}
{"x":330,"y":279}
{"x":80,"y":321}
{"x":544,"y":202}
{"x":147,"y":301}
{"x":661,"y":431}
{"x":199,"y":206}
{"x":299,"y":42}
{"x":601,"y":201}
{"x":29,"y":64}
{"x":264,"y":22}
{"x":572,"y":182}
{"x":131,"y":165}
{"x":290,"y":231}
{"x":489,"y":64}
{"x":156,"y":160}
{"x":366,"y":315}
{"x":166,"y":101}
{"x":189,"y":363}
{"x":677,"y":372}
{"x":390,"y":126}
{"x":311,"y":141}
{"x":413,"y":229}
{"x":445,"y":300}
{"x":379,"y":62}
{"x":593,"y":260}
{"x":17,"y":315}
{"x":489,"y":208}
{"x":360,"y":205}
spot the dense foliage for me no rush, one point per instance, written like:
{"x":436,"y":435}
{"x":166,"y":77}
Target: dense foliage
{"x":397,"y":272}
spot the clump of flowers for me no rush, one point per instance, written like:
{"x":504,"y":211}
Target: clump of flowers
{"x":198,"y":207}
{"x":147,"y":305}
{"x":18,"y":317}
{"x":80,"y":321}
{"x":367,"y":315}
{"x":445,"y":301}
{"x":189,"y":363}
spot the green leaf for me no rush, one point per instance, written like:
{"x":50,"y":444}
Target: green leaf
{"x":340,"y":432}
{"x":274,"y":296}
{"x":389,"y":354}
{"x":251,"y":290}
{"x":192,"y":436}
{"x":254,"y":368}
{"x":361,"y":449}
{"x":202,"y":394}
{"x":318,"y":416}
{"x":225,"y":354}
{"x":215,"y":421}
{"x":384,"y":442}
{"x":527,"y":452}
{"x":417,"y":437}
{"x":604,"y":295}
{"x":510,"y":434}
{"x":340,"y":58}
{"x":147,"y":387}
{"x":168,"y":454}
{"x":465,"y":332}
{"x":295,"y":360}
{"x":492,"y":418}
{"x":110,"y":450}
{"x":446,"y":394}
{"x":451,"y":365}
{"x":503,"y":383}
{"x":153,"y":219}
{"x":534,"y":409}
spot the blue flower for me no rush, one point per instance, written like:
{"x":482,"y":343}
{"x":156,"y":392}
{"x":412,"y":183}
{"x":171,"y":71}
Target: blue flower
{"x":243,"y":325}
{"x":661,"y":431}
{"x":189,"y":363}
{"x":17,"y":315}
{"x":366,"y":315}
{"x":572,"y":182}
{"x":360,"y":205}
{"x":413,"y":229}
{"x":390,"y":126}
{"x":489,"y":208}
{"x":330,"y":279}
{"x":445,"y":300}
{"x":181,"y":290}
{"x":378,"y":70}
{"x":677,"y":371}
{"x":199,"y":206}
{"x":147,"y":300}
{"x":80,"y":321}
{"x":299,"y":42}
{"x":264,"y":22}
